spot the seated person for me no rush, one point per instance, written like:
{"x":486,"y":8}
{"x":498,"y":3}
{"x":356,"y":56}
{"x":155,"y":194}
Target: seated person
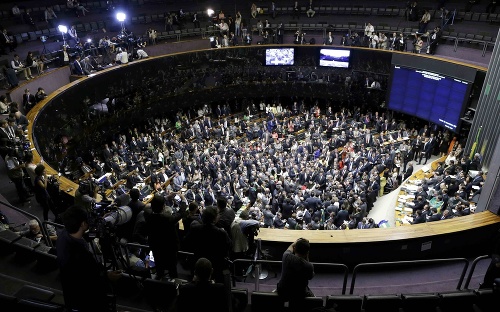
{"x":209,"y":296}
{"x":34,"y":232}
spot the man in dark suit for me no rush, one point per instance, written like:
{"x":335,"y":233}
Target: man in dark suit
{"x":417,"y":146}
{"x":28,"y":100}
{"x":408,"y":172}
{"x":426,"y":151}
{"x":77,"y":67}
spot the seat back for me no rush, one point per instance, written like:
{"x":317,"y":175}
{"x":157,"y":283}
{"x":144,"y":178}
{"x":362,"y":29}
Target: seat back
{"x":420,"y":302}
{"x":344,"y":303}
{"x":266,"y":301}
{"x":386,"y":303}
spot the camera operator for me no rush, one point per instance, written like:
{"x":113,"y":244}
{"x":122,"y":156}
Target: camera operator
{"x":87,"y":194}
{"x":85,"y":282}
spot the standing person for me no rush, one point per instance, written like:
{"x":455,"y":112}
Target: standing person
{"x":196,"y":21}
{"x":73,"y":34}
{"x":253,"y":10}
{"x":85,"y":282}
{"x":163,"y":238}
{"x":6,"y":40}
{"x":209,"y":296}
{"x":41,"y":195}
{"x":237,"y":24}
{"x":16,"y":175}
{"x":50,"y":17}
{"x":296,"y":272}
{"x":424,"y":21}
{"x":296,"y":10}
{"x":493,"y":271}
{"x":209,"y":241}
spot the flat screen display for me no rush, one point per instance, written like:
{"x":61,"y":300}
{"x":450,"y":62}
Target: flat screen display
{"x":428,"y":95}
{"x":280,"y":56}
{"x":334,"y":58}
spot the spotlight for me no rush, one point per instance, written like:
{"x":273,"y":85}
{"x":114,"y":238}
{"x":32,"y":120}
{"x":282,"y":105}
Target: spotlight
{"x":63,"y":29}
{"x":210,"y":12}
{"x":121,"y":16}
{"x":89,"y":40}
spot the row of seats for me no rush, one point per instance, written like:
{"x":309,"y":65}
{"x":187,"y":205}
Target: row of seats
{"x":30,"y":298}
{"x":390,"y":11}
{"x":480,"y":300}
{"x":81,"y":28}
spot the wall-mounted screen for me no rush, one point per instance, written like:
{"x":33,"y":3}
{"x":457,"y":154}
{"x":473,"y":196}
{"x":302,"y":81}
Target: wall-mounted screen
{"x":280,"y":56}
{"x":427,"y":95}
{"x":334,"y":58}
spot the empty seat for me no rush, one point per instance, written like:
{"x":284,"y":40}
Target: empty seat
{"x":344,"y":303}
{"x":487,"y":300}
{"x":266,"y":301}
{"x":306,"y":304}
{"x":386,"y":303}
{"x":462,"y":301}
{"x":29,"y":292}
{"x":240,"y":299}
{"x":160,"y":294}
{"x":420,"y":302}
{"x":35,"y":306}
{"x":7,"y":302}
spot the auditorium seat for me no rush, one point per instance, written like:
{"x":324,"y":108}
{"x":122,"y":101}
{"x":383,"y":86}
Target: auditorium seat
{"x":240,"y":299}
{"x":308,"y":304}
{"x":36,"y":306}
{"x":160,"y":294}
{"x":462,"y":301}
{"x":266,"y":301}
{"x":344,"y":303}
{"x":7,"y":302}
{"x":487,"y":300}
{"x":386,"y":303}
{"x":425,"y":302}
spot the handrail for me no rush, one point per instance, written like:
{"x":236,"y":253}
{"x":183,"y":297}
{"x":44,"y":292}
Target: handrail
{"x":56,"y":225}
{"x":472,"y":268}
{"x":341,"y":267}
{"x":31,"y":216}
{"x":408,"y":264}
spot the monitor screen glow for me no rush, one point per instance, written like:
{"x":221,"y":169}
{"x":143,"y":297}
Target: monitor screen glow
{"x":280,"y":56}
{"x":334,"y":58}
{"x":431,"y":96}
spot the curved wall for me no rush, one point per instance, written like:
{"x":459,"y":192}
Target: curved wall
{"x":175,"y":81}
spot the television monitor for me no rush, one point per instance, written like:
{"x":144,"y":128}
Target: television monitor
{"x":431,"y":96}
{"x":334,"y":58}
{"x":280,"y":56}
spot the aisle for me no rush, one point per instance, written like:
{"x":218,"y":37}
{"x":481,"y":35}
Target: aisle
{"x":384,"y":207}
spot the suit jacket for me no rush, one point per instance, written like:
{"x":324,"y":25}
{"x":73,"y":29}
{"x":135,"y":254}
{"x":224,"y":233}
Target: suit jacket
{"x":77,"y":67}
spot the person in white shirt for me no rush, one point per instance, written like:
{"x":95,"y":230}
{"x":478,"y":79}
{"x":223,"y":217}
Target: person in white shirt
{"x":373,"y":40}
{"x":73,"y":35}
{"x":121,"y":56}
{"x":18,"y":66}
{"x":369,"y":29}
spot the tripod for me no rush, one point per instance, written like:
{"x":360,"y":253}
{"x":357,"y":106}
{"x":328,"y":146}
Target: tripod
{"x":43,"y":39}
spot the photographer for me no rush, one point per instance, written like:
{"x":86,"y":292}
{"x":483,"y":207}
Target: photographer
{"x":296,"y":273}
{"x":85,"y":282}
{"x":86,"y":195}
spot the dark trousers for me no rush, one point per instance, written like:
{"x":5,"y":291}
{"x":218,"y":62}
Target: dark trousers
{"x":22,"y":193}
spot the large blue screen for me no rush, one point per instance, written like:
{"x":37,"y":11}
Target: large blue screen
{"x":428,"y":95}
